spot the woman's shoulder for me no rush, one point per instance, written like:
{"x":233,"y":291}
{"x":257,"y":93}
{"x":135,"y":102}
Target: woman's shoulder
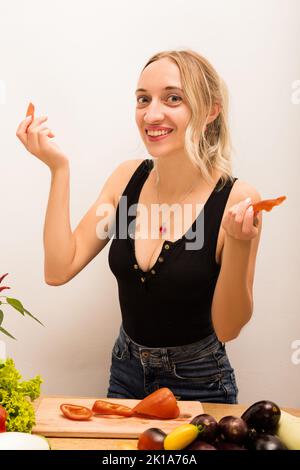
{"x":125,"y":171}
{"x":241,"y":190}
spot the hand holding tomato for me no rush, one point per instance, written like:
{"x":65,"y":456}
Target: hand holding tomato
{"x":239,"y":221}
{"x":35,"y":136}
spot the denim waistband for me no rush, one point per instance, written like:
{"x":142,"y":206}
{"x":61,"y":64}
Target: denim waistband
{"x":205,"y":345}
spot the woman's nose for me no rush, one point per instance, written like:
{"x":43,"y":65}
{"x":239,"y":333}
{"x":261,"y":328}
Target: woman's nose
{"x":154,"y":113}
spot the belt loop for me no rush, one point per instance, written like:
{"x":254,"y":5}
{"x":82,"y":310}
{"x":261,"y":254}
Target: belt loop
{"x":165,"y":359}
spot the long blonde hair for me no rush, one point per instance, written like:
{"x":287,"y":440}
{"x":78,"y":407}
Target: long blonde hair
{"x":207,"y":145}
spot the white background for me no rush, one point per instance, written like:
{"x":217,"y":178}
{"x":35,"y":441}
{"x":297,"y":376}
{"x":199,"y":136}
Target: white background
{"x":79,"y":63}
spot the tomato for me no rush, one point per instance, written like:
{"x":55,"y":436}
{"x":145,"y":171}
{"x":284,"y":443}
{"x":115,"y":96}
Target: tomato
{"x":152,"y":439}
{"x":76,"y":412}
{"x":3,"y":415}
{"x":159,"y":404}
{"x":102,"y":407}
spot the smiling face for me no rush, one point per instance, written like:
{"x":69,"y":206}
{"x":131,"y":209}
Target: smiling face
{"x":160,"y":107}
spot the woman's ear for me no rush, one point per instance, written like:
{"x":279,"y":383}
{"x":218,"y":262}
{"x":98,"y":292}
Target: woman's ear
{"x":214,"y":113}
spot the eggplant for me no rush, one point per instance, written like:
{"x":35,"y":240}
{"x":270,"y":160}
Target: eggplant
{"x":267,"y":442}
{"x":210,"y":429}
{"x":263,"y":416}
{"x":234,"y":430}
{"x":200,"y":445}
{"x":229,"y":446}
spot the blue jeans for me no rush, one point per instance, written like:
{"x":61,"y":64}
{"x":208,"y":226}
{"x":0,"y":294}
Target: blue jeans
{"x":197,"y":371}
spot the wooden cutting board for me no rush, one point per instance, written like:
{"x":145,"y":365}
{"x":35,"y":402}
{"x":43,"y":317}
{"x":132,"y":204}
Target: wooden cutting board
{"x":51,"y":422}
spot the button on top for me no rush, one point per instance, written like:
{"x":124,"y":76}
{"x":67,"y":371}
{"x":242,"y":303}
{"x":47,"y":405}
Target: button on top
{"x":153,"y":271}
{"x":142,"y":279}
{"x":167,"y":247}
{"x":135,"y":266}
{"x":160,"y":259}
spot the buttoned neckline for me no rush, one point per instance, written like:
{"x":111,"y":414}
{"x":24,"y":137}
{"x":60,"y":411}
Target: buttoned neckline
{"x":168,"y":245}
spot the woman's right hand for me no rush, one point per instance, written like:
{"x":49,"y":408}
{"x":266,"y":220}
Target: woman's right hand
{"x":35,"y":136}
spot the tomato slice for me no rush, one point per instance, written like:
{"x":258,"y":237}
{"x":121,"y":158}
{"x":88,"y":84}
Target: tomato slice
{"x":76,"y":412}
{"x":159,"y":404}
{"x":268,"y":204}
{"x":102,"y":407}
{"x":30,"y":110}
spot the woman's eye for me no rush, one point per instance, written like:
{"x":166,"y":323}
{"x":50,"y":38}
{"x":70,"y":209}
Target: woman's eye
{"x":174,"y":96}
{"x":170,"y":96}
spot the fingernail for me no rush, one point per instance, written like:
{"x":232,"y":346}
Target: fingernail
{"x":250,"y":209}
{"x":248,"y":200}
{"x":29,"y":117}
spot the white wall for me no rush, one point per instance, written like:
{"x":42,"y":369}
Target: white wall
{"x":79,"y":63}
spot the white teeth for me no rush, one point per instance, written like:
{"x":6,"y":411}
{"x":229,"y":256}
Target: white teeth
{"x":157,"y":133}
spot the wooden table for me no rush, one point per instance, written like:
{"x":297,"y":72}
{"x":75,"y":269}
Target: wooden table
{"x":67,"y":443}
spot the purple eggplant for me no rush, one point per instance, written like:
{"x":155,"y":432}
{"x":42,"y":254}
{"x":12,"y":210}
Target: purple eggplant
{"x":200,"y":445}
{"x":267,"y":442}
{"x":210,"y":426}
{"x":229,"y":446}
{"x":263,"y":416}
{"x":233,"y":429}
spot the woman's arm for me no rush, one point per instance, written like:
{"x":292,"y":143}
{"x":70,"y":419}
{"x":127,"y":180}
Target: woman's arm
{"x":232,"y":304}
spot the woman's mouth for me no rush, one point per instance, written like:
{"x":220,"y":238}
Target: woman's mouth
{"x":155,"y":138}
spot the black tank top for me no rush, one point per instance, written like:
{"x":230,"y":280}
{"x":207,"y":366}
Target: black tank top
{"x":169,"y":305}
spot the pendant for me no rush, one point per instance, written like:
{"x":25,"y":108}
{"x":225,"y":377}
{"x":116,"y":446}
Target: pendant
{"x":162,"y":228}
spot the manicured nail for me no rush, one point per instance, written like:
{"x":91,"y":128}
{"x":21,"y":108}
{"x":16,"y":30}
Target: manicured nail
{"x":248,"y":200}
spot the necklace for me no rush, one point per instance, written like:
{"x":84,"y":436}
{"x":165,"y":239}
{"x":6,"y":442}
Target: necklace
{"x":162,"y":227}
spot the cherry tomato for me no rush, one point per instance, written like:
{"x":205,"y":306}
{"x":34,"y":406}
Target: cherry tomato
{"x":159,"y":404}
{"x":152,"y":439}
{"x":3,"y":415}
{"x":76,"y":412}
{"x":102,"y":407}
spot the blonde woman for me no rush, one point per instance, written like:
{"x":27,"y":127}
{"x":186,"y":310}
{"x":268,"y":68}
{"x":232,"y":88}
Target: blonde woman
{"x":185,"y":245}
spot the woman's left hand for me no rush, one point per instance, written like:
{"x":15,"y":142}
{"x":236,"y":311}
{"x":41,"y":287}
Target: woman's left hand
{"x":240,"y":222}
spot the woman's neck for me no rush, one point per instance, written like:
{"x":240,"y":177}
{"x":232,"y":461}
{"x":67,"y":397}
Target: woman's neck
{"x":177,"y":176}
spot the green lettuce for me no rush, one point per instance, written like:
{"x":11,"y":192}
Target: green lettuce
{"x":15,"y":397}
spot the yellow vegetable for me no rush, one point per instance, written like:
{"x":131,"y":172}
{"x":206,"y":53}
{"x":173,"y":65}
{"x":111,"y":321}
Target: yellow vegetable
{"x":288,"y":430}
{"x":181,"y":437}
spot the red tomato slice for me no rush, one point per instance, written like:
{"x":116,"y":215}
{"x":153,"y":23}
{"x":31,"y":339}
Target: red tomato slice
{"x":102,"y":407}
{"x":159,"y":404}
{"x":30,"y":110}
{"x":76,"y":412}
{"x":268,"y":204}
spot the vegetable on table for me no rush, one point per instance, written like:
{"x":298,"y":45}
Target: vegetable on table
{"x":2,"y":419}
{"x":107,"y":408}
{"x":152,"y":439}
{"x":159,"y":404}
{"x":23,"y":441}
{"x":288,"y":430}
{"x":14,"y":395}
{"x":76,"y":412}
{"x":181,"y":437}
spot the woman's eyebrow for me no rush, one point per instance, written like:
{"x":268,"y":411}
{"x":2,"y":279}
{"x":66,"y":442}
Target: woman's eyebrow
{"x":166,"y":88}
